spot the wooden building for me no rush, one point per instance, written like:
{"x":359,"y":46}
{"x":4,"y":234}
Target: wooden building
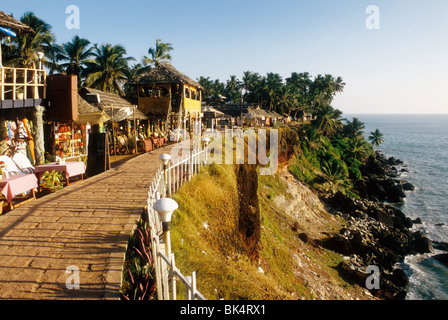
{"x":22,"y":96}
{"x":169,"y":97}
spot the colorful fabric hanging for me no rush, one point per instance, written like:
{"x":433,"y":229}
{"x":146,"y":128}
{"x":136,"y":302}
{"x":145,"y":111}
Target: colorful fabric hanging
{"x":30,"y":139}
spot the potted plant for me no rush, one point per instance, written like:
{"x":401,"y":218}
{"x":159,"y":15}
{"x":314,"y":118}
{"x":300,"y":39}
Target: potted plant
{"x":52,"y":181}
{"x":19,"y":93}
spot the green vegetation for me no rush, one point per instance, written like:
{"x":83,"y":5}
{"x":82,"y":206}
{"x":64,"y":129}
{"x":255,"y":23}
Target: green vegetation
{"x":53,"y":180}
{"x":296,"y":96}
{"x":138,"y":275}
{"x":332,"y":153}
{"x":205,"y":239}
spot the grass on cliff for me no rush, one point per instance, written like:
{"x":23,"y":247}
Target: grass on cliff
{"x":205,"y":239}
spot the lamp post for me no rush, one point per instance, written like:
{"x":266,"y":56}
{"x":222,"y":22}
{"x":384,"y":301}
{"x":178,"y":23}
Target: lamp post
{"x":165,"y":160}
{"x":40,"y":55}
{"x":165,"y":208}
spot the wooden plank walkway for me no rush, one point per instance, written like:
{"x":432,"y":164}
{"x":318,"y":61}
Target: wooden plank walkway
{"x":86,"y":225}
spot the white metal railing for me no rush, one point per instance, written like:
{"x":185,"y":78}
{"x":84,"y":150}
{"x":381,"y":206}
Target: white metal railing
{"x":166,"y":183}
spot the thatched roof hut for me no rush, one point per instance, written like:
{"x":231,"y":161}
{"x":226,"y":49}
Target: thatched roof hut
{"x":9,"y":22}
{"x":127,"y":113}
{"x":112,"y":105}
{"x":103,"y":99}
{"x":165,"y":73}
{"x":89,"y":114}
{"x":258,"y":113}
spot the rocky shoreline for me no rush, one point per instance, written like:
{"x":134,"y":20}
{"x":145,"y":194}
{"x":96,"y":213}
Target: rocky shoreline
{"x":377,"y":234}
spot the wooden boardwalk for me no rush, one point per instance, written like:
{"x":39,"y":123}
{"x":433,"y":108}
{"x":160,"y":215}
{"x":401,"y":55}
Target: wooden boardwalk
{"x":86,"y":225}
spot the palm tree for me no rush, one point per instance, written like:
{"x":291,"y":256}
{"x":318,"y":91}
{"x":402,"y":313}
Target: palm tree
{"x":313,"y":138}
{"x":161,"y":52}
{"x":376,"y":137}
{"x":301,"y":82}
{"x":324,"y":88}
{"x":354,"y":128}
{"x":109,"y":69}
{"x":272,"y":87}
{"x":250,"y":82}
{"x":288,"y":100}
{"x":133,"y":73}
{"x":76,"y":53}
{"x":327,"y":120}
{"x":25,"y":47}
{"x":53,"y":53}
{"x":233,"y":89}
{"x":359,"y":147}
{"x":335,"y":173}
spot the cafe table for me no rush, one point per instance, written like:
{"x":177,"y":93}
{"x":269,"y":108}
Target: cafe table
{"x":18,"y":184}
{"x":70,"y":169}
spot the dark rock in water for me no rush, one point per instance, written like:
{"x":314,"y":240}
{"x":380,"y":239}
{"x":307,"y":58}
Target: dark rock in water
{"x":381,"y":214}
{"x":393,"y":162}
{"x":392,"y":172}
{"x":440,"y":245}
{"x":420,"y":243}
{"x":395,"y":192}
{"x":400,"y":278}
{"x":408,"y":186}
{"x":439,"y":224}
{"x":417,"y":221}
{"x":404,"y":170}
{"x":442,"y":258}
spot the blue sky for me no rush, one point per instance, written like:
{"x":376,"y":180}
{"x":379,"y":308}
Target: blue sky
{"x":399,"y":68}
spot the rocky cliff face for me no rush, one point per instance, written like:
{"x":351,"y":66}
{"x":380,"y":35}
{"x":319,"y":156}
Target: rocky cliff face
{"x":376,"y":234}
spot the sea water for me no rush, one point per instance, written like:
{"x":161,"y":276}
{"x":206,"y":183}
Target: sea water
{"x":421,"y":141}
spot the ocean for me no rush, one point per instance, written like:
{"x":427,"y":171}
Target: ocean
{"x":421,"y":141}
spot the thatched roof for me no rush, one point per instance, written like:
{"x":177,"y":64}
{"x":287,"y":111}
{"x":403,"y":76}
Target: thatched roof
{"x":89,"y":114}
{"x":85,"y":107}
{"x":105,"y":99}
{"x":18,"y":27}
{"x":165,"y":73}
{"x":126,"y":113}
{"x":112,"y":105}
{"x":260,"y":113}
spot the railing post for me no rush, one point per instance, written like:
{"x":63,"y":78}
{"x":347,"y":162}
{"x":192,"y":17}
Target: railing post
{"x":188,"y":291}
{"x":14,"y":89}
{"x":165,"y":160}
{"x":173,"y":278}
{"x":193,"y":285}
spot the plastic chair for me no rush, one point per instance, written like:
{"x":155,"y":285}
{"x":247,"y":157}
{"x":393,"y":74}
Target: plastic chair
{"x":10,"y":166}
{"x":23,"y":163}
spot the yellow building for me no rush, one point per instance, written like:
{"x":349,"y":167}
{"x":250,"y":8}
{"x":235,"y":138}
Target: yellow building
{"x":168,"y":96}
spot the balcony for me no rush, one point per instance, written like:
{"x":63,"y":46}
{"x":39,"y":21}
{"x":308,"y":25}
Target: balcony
{"x":20,"y":87}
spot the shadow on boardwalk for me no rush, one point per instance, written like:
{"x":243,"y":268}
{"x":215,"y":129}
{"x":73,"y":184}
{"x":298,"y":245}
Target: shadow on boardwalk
{"x":86,"y":225}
